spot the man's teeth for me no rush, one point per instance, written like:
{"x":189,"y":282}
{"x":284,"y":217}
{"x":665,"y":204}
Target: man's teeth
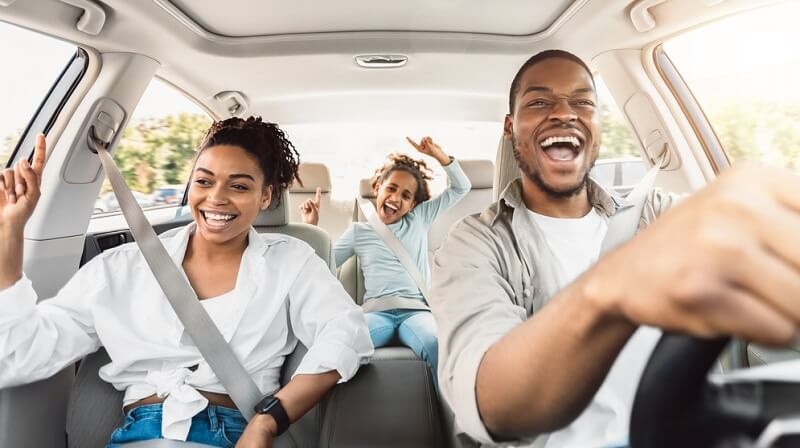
{"x":553,"y":140}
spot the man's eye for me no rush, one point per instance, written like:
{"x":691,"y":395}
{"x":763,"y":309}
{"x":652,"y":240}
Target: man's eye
{"x":537,"y":103}
{"x":588,"y":103}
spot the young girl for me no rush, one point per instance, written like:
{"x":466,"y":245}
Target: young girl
{"x":255,"y":287}
{"x":393,"y":303}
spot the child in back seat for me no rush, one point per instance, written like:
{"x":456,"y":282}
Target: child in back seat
{"x":393,"y":303}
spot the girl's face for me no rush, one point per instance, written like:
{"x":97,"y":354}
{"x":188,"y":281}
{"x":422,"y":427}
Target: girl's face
{"x":395,"y":196}
{"x":226,"y":193}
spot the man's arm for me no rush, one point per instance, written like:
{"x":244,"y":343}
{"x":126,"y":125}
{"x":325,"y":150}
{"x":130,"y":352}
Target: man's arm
{"x":725,"y":261}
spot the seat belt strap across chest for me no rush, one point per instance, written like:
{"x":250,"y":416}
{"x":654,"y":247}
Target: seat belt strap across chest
{"x":394,"y":245}
{"x":196,"y":321}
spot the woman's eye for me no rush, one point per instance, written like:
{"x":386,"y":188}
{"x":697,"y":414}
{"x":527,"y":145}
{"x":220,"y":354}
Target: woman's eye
{"x":240,"y":187}
{"x":202,"y":182}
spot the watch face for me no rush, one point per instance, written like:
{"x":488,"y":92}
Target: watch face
{"x":265,"y":404}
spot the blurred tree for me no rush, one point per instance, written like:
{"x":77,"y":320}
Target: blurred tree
{"x":617,"y":139}
{"x":153,"y":152}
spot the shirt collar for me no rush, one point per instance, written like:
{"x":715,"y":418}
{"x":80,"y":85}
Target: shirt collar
{"x":176,"y":244}
{"x":600,"y":199}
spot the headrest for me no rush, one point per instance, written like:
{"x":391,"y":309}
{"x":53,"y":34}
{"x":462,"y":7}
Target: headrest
{"x":506,"y":168}
{"x":313,"y":175}
{"x":277,"y":214}
{"x":365,"y":189}
{"x":479,"y":172}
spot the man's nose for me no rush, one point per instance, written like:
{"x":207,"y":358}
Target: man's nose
{"x":562,"y":111}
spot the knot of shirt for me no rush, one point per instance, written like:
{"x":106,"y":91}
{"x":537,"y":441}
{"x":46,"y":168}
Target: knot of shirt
{"x":181,"y":401}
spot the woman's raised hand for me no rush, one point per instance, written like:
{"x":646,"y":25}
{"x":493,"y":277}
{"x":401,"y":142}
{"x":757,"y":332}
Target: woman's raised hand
{"x":20,"y":189}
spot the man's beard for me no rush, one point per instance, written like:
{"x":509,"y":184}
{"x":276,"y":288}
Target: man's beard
{"x":547,"y":189}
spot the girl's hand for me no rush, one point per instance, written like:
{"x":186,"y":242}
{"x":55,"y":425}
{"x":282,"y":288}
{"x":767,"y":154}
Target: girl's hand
{"x":429,"y":148}
{"x":309,"y":210}
{"x":19,"y":189}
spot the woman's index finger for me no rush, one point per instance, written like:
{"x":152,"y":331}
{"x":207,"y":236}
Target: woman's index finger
{"x":39,"y":154}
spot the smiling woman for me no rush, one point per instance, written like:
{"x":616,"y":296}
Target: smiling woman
{"x":242,"y":165}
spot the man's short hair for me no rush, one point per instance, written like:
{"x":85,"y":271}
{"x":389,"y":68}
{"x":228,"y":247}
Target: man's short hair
{"x":535,"y":59}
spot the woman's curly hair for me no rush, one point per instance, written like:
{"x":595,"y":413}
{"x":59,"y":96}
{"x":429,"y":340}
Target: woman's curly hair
{"x":417,"y":168}
{"x":277,"y":157}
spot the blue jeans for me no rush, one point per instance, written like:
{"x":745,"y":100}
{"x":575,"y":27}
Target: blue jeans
{"x":216,"y":425}
{"x":414,"y":328}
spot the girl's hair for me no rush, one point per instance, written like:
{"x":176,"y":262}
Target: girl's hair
{"x":276,"y":155}
{"x":402,"y":162}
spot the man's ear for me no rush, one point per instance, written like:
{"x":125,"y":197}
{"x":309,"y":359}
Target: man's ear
{"x":508,"y":126}
{"x":266,"y":198}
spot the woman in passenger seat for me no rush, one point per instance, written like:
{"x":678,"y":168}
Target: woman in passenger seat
{"x":256,"y":288}
{"x":393,"y":303}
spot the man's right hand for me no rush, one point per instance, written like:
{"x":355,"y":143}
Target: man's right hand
{"x":20,"y":190}
{"x":724,"y":261}
{"x":309,"y":210}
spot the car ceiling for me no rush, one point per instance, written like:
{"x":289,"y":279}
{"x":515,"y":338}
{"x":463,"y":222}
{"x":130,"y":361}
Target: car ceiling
{"x":294,"y":60}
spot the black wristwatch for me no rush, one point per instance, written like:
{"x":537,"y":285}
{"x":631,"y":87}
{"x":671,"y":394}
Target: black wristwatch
{"x":272,"y":405}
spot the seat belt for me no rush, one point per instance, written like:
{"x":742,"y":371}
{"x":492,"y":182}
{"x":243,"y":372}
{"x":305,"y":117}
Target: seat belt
{"x":394,"y":245}
{"x":625,"y":222}
{"x":196,"y":321}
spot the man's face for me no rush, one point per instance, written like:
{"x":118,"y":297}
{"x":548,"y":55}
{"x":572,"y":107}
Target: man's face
{"x":555,"y":126}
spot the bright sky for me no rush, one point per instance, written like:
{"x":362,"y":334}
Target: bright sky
{"x":41,"y":60}
{"x":748,"y":55}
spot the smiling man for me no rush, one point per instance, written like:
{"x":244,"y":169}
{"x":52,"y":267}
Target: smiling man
{"x":543,"y":345}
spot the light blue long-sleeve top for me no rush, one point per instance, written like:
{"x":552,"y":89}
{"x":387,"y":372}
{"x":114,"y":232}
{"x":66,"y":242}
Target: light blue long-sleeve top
{"x":384,"y":275}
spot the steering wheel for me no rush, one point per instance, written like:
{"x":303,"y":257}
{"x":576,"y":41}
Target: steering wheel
{"x":675,"y":406}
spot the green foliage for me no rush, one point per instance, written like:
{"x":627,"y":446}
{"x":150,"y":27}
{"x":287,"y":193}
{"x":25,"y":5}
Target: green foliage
{"x":7,"y":147}
{"x":159,"y":151}
{"x":617,"y":139}
{"x":763,"y":131}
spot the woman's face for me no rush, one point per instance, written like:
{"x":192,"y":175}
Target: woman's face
{"x":226,"y":193}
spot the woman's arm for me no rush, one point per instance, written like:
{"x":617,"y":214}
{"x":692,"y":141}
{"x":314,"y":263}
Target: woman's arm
{"x":19,"y":193}
{"x":36,"y":341}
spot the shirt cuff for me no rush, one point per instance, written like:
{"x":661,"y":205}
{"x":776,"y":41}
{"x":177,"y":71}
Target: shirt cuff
{"x":325,"y":356}
{"x":18,"y":300}
{"x":463,"y":397}
{"x":451,"y":165}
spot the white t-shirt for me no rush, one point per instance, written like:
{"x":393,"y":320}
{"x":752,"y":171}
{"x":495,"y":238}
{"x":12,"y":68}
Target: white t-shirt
{"x":575,"y":244}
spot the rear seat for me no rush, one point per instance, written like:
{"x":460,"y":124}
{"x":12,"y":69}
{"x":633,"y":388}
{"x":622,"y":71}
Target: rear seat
{"x":480,"y":174}
{"x":335,"y":215}
{"x":390,"y":402}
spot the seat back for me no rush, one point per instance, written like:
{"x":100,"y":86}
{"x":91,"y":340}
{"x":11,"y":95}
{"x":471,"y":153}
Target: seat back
{"x":481,"y":175}
{"x":506,"y":168}
{"x":334,"y":215}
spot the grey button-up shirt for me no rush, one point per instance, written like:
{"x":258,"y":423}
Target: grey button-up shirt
{"x":492,"y":273}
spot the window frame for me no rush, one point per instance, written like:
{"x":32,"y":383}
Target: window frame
{"x":53,"y":103}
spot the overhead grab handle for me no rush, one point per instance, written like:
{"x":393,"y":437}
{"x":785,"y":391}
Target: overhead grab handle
{"x":641,"y":17}
{"x":93,"y":18}
{"x":234,"y":102}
